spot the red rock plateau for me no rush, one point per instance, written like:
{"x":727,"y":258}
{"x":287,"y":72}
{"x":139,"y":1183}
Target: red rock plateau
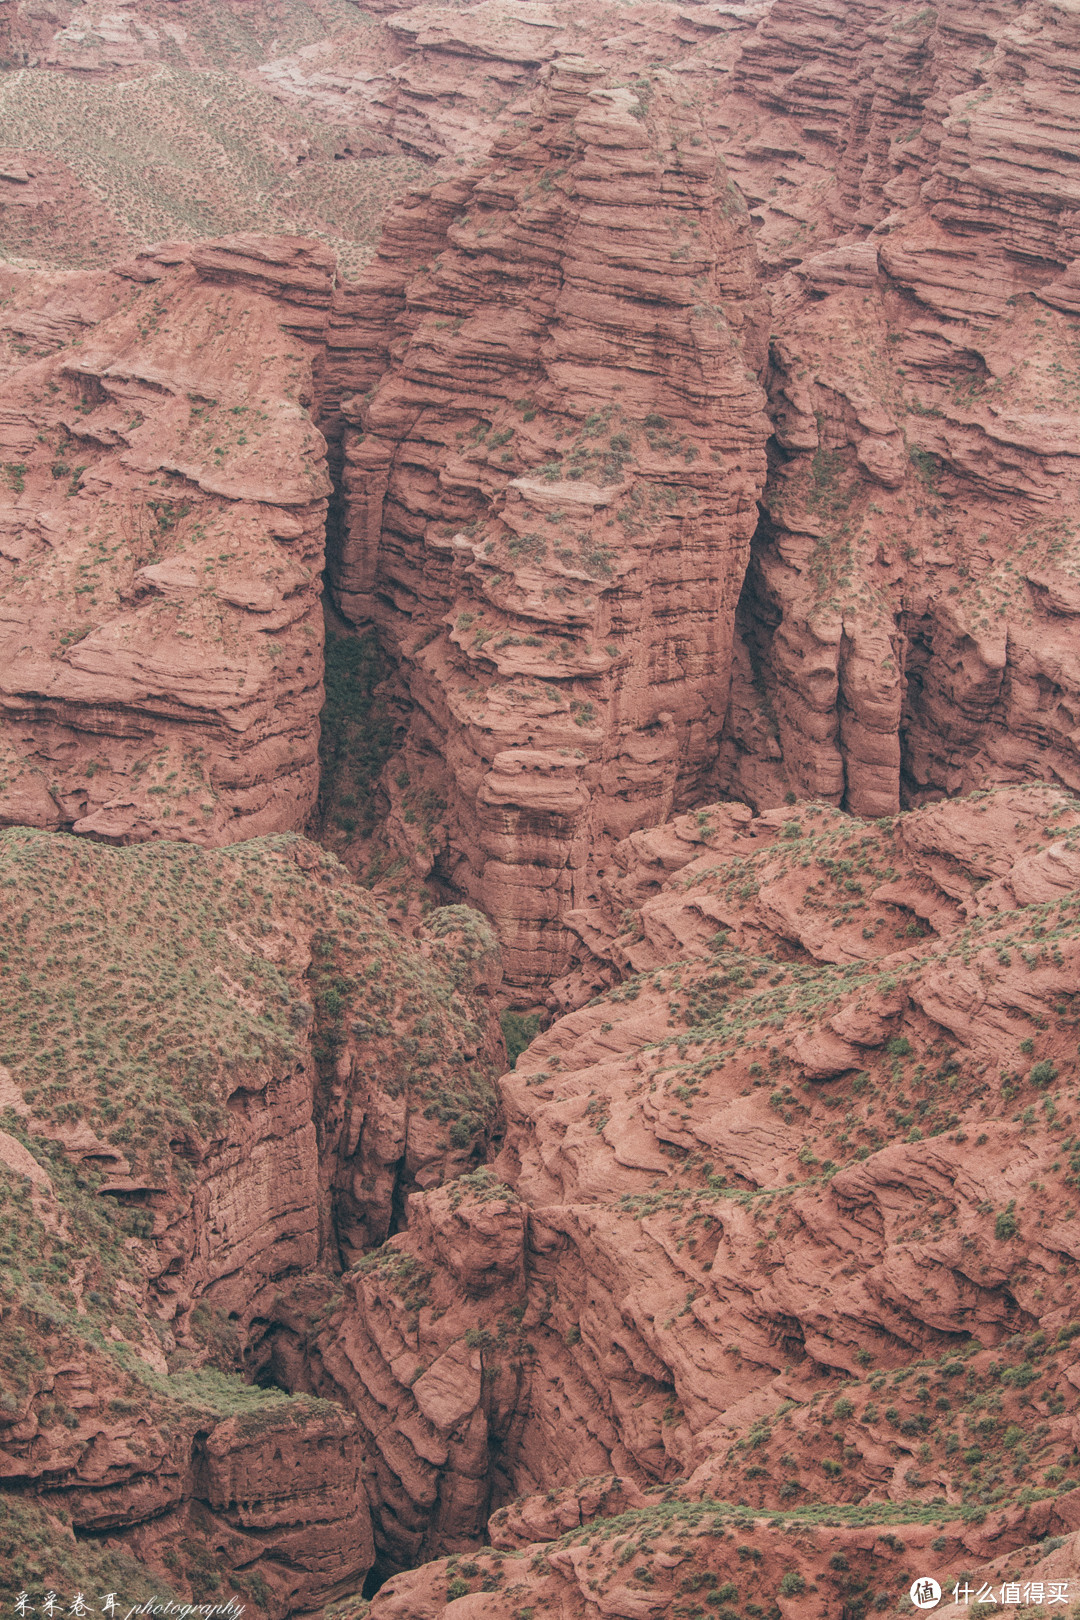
{"x":695,"y":462}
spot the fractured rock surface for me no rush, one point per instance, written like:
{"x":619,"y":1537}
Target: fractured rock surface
{"x":755,"y":1283}
{"x":550,"y":493}
{"x":798,"y":1212}
{"x":161,"y":532}
{"x":908,"y":605}
{"x":247,"y":1075}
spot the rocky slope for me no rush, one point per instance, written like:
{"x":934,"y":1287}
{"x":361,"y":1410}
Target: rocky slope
{"x":161,"y":534}
{"x":903,"y":170}
{"x":143,"y":120}
{"x":751,"y":1289}
{"x":764,"y":1295}
{"x":158,"y":1193}
{"x":772,"y":1299}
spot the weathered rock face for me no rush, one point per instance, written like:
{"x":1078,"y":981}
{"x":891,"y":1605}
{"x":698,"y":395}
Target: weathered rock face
{"x":550,"y":492}
{"x":435,"y":80}
{"x":786,"y":1216}
{"x":439,"y":1398}
{"x":247,"y":1076}
{"x":161,"y":536}
{"x":908,"y":607}
{"x":671,"y":1556}
{"x":798,"y":1205}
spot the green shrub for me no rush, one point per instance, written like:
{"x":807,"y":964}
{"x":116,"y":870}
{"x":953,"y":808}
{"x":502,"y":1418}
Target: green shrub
{"x":519,"y":1030}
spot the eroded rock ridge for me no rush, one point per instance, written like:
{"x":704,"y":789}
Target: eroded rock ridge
{"x":551,"y":489}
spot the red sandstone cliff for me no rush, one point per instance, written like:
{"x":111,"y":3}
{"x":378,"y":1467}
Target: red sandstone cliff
{"x":904,"y":626}
{"x":786,"y":1216}
{"x":908,"y":607}
{"x":161,"y":538}
{"x":550,"y":492}
{"x":248,"y":1076}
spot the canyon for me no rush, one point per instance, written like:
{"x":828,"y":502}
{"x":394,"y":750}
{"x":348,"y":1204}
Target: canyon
{"x":538,"y":806}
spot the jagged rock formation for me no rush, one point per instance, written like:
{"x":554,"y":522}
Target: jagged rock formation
{"x":917,"y":233}
{"x":551,"y":545}
{"x":866,"y":671}
{"x":249,"y":1094}
{"x":764,"y":1294}
{"x":903,"y":170}
{"x":161,"y":537}
{"x":439,"y":1401}
{"x":742,"y":1195}
{"x":818,"y":1131}
{"x":909,"y":603}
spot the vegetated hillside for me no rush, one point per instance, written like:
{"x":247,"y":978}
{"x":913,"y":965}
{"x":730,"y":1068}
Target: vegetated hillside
{"x":99,"y":35}
{"x":127,"y":127}
{"x":178,"y":154}
{"x":769,"y":1296}
{"x":220,"y":1075}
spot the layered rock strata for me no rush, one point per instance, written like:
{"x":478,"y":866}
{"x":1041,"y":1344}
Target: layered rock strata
{"x":161,"y":536}
{"x":438,"y":1398}
{"x":161,"y":1188}
{"x":784,"y":1218}
{"x":551,"y":542}
{"x":908,"y":606}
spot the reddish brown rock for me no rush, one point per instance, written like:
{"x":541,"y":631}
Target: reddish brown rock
{"x":750,"y":1275}
{"x":551,"y":546}
{"x":424,"y":1344}
{"x":219,"y":1124}
{"x":165,"y":499}
{"x":906,"y":609}
{"x":786,"y":1216}
{"x":647,"y":1564}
